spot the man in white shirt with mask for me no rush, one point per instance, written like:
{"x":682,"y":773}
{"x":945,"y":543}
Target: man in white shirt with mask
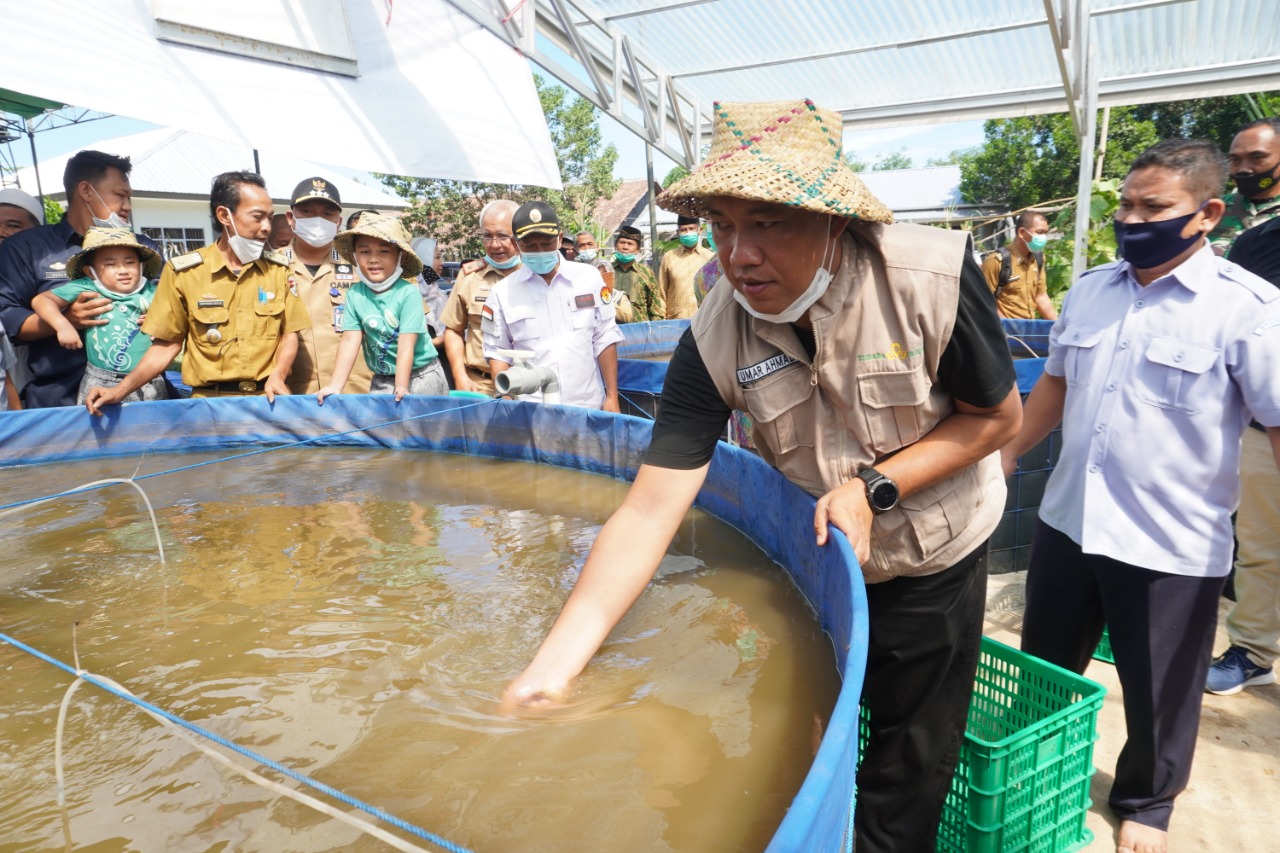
{"x":319,"y":276}
{"x":561,"y":311}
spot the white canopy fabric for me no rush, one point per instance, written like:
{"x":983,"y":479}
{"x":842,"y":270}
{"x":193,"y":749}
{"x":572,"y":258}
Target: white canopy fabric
{"x":181,"y":164}
{"x":437,"y":96}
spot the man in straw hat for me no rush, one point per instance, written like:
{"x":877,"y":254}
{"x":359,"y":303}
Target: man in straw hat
{"x":115,"y":266}
{"x":229,"y":302}
{"x":873,"y":365}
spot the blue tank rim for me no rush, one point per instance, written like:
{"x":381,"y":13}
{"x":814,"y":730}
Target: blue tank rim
{"x":738,"y":484}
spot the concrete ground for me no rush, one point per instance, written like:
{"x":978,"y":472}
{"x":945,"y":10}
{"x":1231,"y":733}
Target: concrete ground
{"x":1233,"y":800}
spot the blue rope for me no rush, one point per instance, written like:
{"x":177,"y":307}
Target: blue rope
{"x":251,"y":453}
{"x":623,"y":396}
{"x":381,"y":814}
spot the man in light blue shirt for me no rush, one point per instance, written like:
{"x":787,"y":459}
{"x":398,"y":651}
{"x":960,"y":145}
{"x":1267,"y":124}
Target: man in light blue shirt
{"x":1155,"y":367}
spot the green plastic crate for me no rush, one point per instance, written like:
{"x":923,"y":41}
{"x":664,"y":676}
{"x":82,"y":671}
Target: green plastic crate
{"x":1022,"y":783}
{"x":1103,"y":651}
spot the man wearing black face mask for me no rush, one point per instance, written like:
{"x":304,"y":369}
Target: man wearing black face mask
{"x":1154,"y":368}
{"x":1253,"y":164}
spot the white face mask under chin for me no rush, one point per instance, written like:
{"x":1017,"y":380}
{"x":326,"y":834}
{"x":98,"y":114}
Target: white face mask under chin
{"x":142,"y":282}
{"x":818,"y":286}
{"x":379,"y":287}
{"x":245,"y":249}
{"x":113,"y":220}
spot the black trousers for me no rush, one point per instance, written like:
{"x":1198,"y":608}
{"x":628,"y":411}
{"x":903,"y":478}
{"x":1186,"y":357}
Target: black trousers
{"x":1161,"y":628}
{"x":924,"y":641}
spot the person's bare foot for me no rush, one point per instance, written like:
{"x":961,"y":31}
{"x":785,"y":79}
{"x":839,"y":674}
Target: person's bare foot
{"x":1140,"y":838}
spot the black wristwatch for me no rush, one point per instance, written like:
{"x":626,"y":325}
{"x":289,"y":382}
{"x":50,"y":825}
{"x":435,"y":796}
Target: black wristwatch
{"x":882,"y":493}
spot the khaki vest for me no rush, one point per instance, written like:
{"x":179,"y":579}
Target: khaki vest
{"x":870,"y":390}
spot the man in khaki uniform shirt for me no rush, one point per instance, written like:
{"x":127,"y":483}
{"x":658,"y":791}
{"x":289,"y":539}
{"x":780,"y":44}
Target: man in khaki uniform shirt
{"x":320,"y":277}
{"x":229,"y":302}
{"x":679,"y":270}
{"x":463,"y":342}
{"x":1026,"y":291}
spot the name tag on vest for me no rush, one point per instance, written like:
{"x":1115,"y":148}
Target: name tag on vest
{"x":584,"y":300}
{"x":747,"y":375}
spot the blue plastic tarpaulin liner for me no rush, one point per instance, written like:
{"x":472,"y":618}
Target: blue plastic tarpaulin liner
{"x":641,"y":377}
{"x":1028,"y":371}
{"x":740,"y":489}
{"x":1027,"y":337}
{"x":646,"y":340}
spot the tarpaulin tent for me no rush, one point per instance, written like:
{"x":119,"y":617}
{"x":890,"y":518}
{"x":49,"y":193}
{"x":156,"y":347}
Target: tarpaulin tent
{"x":414,"y":89}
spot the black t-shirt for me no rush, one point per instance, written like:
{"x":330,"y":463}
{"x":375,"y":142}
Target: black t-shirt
{"x":1258,"y":251}
{"x":975,"y":368}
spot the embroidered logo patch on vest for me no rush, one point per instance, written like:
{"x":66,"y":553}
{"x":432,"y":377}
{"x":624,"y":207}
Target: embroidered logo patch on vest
{"x":773,"y":364}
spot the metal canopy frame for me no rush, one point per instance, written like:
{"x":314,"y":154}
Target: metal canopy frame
{"x":601,"y":63}
{"x":591,"y":46}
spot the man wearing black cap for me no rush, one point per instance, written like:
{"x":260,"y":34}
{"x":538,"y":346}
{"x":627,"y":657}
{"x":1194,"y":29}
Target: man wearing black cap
{"x":320,"y":277}
{"x":560,"y":311}
{"x":635,"y":280}
{"x":679,"y":270}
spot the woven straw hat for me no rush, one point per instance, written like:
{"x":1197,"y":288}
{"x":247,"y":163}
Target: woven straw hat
{"x":387,"y":229}
{"x":101,"y":238}
{"x":781,"y":152}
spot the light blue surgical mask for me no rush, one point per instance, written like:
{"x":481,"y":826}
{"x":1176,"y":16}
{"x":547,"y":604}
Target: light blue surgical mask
{"x":502,"y":265}
{"x":689,"y":240}
{"x":1037,"y":242}
{"x":541,"y":262}
{"x":586,"y":255}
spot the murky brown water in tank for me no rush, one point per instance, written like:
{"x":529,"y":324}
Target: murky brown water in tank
{"x":355,"y":615}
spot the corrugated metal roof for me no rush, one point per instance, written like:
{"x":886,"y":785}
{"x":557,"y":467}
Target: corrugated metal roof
{"x":178,"y":162}
{"x":915,"y":61}
{"x":931,"y":188}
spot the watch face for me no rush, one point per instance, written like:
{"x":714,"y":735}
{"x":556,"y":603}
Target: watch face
{"x":884,"y":495}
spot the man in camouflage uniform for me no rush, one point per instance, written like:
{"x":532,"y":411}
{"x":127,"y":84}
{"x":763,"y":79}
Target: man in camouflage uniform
{"x":1254,"y":166}
{"x":635,"y":280}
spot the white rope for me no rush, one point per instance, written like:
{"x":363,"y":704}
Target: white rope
{"x":269,"y":784}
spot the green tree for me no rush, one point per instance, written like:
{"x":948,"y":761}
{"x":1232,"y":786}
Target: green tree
{"x":449,"y":210}
{"x":955,"y":158}
{"x":52,"y":211}
{"x":1034,"y":159}
{"x":897,"y":160}
{"x":851,"y":160}
{"x":676,"y":174}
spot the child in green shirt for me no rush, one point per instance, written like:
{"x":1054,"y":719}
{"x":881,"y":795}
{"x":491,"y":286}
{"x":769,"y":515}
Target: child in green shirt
{"x":114,"y":265}
{"x":383,"y":314}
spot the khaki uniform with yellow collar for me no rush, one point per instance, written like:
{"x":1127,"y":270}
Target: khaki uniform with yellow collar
{"x":324,"y":296}
{"x":462,"y":315}
{"x":231,"y":324}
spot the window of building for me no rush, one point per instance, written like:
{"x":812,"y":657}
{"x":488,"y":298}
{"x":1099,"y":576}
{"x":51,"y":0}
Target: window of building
{"x":176,"y":241}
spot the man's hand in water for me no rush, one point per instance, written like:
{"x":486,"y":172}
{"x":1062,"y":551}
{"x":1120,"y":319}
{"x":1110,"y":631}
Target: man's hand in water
{"x":529,"y":692}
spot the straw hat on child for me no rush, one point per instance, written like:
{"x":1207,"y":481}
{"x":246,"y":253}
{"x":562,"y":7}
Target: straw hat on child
{"x":102,"y":238}
{"x":780,"y":152}
{"x":387,"y":229}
